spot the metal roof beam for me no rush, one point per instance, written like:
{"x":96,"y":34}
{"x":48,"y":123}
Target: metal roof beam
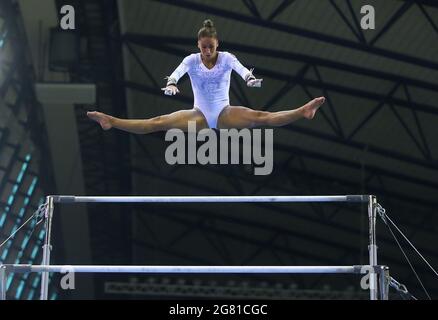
{"x":194,"y":6}
{"x":151,"y":40}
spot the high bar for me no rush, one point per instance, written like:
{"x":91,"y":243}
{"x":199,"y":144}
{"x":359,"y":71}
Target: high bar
{"x":198,"y":199}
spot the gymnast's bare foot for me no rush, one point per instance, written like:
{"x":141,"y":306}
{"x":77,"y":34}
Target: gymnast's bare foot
{"x":310,"y":108}
{"x":103,"y":119}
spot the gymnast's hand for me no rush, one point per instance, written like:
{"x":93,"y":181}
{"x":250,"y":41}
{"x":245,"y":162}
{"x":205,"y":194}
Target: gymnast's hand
{"x":254,"y":83}
{"x":170,"y":90}
{"x":103,"y":119}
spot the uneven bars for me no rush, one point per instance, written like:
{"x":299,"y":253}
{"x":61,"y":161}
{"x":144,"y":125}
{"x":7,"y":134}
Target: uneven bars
{"x":370,"y":199}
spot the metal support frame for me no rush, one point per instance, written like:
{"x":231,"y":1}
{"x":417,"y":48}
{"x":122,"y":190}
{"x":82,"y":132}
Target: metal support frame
{"x":45,"y":267}
{"x":47,"y":247}
{"x":3,"y":284}
{"x":384,"y":280}
{"x":372,"y":247}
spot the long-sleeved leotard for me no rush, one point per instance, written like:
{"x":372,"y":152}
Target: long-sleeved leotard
{"x":210,"y":86}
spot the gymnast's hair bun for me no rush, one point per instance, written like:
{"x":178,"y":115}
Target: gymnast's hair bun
{"x":208,"y":30}
{"x":208,"y":23}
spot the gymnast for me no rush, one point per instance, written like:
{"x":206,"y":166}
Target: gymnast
{"x":210,"y":73}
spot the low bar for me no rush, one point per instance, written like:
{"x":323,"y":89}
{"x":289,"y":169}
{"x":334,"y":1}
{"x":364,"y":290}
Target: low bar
{"x":20,"y":268}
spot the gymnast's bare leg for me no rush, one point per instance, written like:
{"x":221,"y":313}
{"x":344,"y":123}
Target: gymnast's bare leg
{"x":242,"y":117}
{"x":175,"y":120}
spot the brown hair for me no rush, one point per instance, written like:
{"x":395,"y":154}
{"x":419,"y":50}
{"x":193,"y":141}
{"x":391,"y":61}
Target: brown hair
{"x":208,"y":30}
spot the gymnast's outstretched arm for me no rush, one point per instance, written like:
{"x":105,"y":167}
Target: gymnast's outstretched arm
{"x":247,"y":75}
{"x":171,"y":89}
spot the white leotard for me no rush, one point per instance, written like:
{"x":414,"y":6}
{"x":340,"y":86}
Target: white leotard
{"x":210,"y":86}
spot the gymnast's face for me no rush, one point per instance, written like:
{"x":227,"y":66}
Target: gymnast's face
{"x":208,"y":47}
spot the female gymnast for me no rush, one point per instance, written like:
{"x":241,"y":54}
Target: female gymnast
{"x":210,"y":72}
